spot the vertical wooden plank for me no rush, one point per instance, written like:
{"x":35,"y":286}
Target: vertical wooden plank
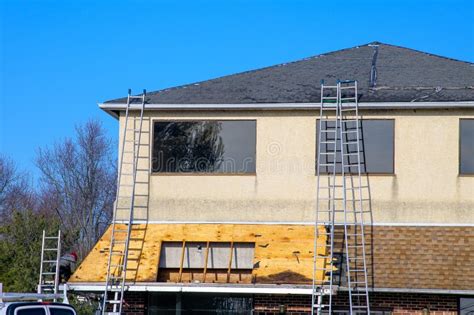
{"x":230,"y":260}
{"x":205,"y":262}
{"x":183,"y":250}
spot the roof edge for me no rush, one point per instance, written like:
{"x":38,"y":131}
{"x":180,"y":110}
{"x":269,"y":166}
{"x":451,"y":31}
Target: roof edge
{"x":245,"y":289}
{"x":113,"y":108}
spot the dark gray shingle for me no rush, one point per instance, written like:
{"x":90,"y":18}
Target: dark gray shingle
{"x":402,"y":75}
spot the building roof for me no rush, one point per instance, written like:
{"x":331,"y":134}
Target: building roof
{"x":399,"y":258}
{"x":385,"y":73}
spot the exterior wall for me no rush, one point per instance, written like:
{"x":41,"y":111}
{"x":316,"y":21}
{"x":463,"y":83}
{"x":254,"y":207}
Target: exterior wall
{"x":397,"y":303}
{"x":425,"y":188}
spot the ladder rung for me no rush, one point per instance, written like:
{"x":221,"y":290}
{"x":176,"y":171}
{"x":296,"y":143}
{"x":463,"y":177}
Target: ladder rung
{"x":49,"y":261}
{"x":115,"y":266}
{"x":330,"y":142}
{"x":50,"y":237}
{"x":328,"y":130}
{"x":48,"y":273}
{"x":50,"y":249}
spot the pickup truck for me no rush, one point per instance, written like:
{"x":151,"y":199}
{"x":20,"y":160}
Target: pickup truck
{"x":36,"y":308}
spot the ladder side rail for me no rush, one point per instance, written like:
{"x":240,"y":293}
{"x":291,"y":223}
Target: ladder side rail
{"x":333,"y":206}
{"x":344,"y":197}
{"x":112,"y":237}
{"x":316,"y":229}
{"x":58,"y":258}
{"x":316,"y":234}
{"x":132,"y":201}
{"x":361,"y":209}
{"x":39,"y":290}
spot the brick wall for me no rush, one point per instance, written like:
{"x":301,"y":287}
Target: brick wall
{"x":397,"y":303}
{"x":135,"y":303}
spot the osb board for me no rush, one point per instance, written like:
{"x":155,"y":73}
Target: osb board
{"x":283,"y":253}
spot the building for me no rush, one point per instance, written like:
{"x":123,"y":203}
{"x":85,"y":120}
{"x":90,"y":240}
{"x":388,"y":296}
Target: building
{"x":232,"y":164}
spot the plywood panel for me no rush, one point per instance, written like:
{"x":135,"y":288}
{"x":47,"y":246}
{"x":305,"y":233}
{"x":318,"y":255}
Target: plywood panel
{"x":283,"y":253}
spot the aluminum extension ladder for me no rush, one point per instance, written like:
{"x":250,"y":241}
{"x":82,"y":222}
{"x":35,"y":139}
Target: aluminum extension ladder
{"x":339,"y":201}
{"x":49,"y":267}
{"x":126,"y":202}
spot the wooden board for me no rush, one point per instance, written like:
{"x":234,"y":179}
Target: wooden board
{"x":283,"y":253}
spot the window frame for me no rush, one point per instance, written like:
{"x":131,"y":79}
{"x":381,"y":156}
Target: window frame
{"x":393,"y":173}
{"x":152,"y":136}
{"x":460,"y":174}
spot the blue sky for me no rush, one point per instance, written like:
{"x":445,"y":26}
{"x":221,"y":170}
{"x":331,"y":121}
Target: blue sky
{"x":59,"y":58}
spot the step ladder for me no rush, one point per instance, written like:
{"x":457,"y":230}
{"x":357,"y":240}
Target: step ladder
{"x":132,"y":197}
{"x":339,"y":202}
{"x":49,"y":267}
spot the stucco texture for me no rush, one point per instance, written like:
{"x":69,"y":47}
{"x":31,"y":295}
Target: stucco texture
{"x":425,"y":188}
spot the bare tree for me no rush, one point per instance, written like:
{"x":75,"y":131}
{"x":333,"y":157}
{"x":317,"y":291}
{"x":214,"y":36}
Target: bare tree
{"x":15,"y":192}
{"x":78,"y":179}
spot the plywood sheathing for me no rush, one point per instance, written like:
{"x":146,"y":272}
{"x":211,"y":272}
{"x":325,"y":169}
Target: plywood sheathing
{"x":283,"y":253}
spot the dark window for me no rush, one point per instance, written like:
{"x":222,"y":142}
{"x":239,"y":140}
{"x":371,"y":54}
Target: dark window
{"x":466,"y":306}
{"x":60,"y":311}
{"x":199,"y":303}
{"x":466,"y":146}
{"x":376,"y":145}
{"x":31,"y":311}
{"x":209,"y":146}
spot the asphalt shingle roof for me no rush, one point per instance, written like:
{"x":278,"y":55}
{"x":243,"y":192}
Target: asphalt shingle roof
{"x":398,"y":75}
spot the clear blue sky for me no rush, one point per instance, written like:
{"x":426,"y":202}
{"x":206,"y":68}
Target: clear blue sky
{"x":59,"y":58}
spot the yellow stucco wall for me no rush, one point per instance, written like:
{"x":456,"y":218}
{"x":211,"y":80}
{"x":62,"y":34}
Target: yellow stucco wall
{"x":425,"y":188}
